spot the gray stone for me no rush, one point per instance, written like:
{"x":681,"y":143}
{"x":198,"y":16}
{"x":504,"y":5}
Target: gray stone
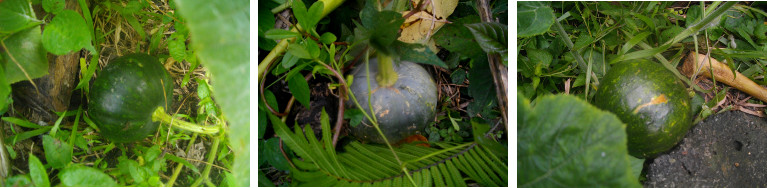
{"x":725,"y":150}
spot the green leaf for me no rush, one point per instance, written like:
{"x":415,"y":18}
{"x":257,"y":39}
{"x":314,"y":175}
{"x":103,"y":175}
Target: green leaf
{"x":278,"y":34}
{"x":261,"y":124}
{"x":16,"y":15}
{"x":584,"y":40}
{"x":312,"y":48}
{"x":67,"y":32}
{"x":264,"y":181}
{"x":182,"y":161}
{"x":300,"y":12}
{"x":289,"y":60}
{"x":57,"y":153}
{"x":354,"y":115}
{"x":37,"y":172}
{"x":481,"y":88}
{"x":328,"y":38}
{"x":220,"y":32}
{"x":457,"y":38}
{"x":300,"y":89}
{"x":19,"y":180}
{"x":563,"y":135}
{"x":177,"y":47}
{"x":83,"y":176}
{"x":491,"y":36}
{"x":380,"y":27}
{"x":540,"y":57}
{"x":21,"y":122}
{"x":53,"y":6}
{"x":533,"y":18}
{"x":314,"y":14}
{"x":274,"y":155}
{"x":131,"y":168}
{"x":24,"y":56}
{"x":417,"y":53}
{"x":299,"y":51}
{"x":88,"y":73}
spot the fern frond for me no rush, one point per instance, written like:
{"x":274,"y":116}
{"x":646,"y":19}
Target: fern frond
{"x":363,"y":165}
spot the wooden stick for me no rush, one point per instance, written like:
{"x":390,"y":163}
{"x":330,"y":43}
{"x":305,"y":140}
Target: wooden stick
{"x":723,"y":74}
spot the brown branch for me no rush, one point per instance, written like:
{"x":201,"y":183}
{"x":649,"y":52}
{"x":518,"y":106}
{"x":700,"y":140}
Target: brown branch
{"x":497,"y":69}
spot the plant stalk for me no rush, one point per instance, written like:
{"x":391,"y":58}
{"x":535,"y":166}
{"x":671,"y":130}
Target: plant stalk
{"x":160,"y":115}
{"x":180,"y":166}
{"x":211,"y":159}
{"x":386,"y":76}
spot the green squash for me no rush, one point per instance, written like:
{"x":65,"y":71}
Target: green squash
{"x":402,"y":109}
{"x":126,"y":93}
{"x":652,"y":102}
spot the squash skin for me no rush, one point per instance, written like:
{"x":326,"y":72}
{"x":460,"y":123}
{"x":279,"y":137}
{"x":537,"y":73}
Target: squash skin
{"x":401,"y":110}
{"x":124,"y":95}
{"x":651,"y":101}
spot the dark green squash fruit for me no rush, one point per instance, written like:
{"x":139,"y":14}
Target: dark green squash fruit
{"x":126,"y":93}
{"x":652,"y":102}
{"x":401,"y":109}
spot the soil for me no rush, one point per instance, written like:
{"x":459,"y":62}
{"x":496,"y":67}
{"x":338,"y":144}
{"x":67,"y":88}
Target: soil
{"x":725,"y":150}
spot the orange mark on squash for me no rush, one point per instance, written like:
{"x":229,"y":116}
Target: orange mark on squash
{"x":382,"y":114}
{"x":657,"y":100}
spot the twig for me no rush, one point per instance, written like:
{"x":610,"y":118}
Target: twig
{"x":496,"y":68}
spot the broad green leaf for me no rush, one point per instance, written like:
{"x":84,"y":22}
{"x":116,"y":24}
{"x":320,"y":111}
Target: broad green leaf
{"x":583,"y":40}
{"x":83,"y":176}
{"x":300,"y":89}
{"x":266,"y":21}
{"x":312,"y":48}
{"x":457,"y":38}
{"x":380,"y":27}
{"x":533,"y":18}
{"x":67,"y":32}
{"x":177,"y":47}
{"x":5,"y":91}
{"x":37,"y":172}
{"x":57,"y":153}
{"x":278,"y":34}
{"x":328,"y":38}
{"x":220,"y":32}
{"x":540,"y":57}
{"x":289,"y":60}
{"x":131,"y":168}
{"x":637,"y":165}
{"x":299,"y":51}
{"x":274,"y":155}
{"x":354,"y":115}
{"x":19,"y":180}
{"x":24,"y":56}
{"x":563,"y":135}
{"x":481,"y":88}
{"x":314,"y":14}
{"x":53,"y":6}
{"x":491,"y":36}
{"x":261,"y":124}
{"x":16,"y":15}
{"x":417,"y":53}
{"x":300,"y":12}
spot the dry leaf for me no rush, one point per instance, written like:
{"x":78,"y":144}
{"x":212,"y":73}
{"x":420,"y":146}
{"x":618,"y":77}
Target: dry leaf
{"x":419,"y":27}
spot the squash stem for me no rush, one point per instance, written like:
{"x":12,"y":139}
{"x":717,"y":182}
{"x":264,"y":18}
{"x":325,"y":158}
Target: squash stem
{"x":160,"y":115}
{"x":386,"y":75}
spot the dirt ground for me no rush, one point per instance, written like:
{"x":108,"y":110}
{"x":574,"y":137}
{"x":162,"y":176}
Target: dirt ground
{"x":728,"y":149}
